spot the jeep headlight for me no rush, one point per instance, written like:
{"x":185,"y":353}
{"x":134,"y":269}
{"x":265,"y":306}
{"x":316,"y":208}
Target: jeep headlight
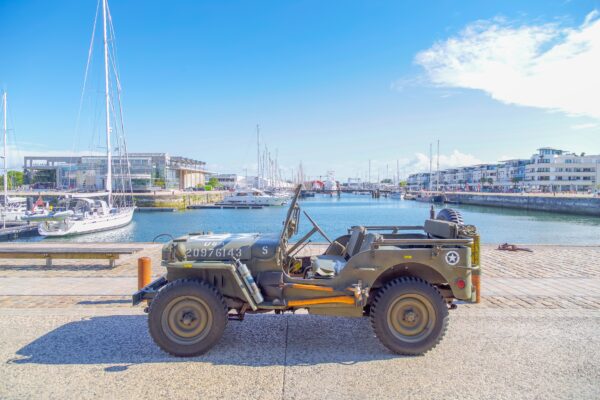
{"x":180,"y":251}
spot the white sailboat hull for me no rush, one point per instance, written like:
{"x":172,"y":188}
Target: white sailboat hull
{"x":90,"y":224}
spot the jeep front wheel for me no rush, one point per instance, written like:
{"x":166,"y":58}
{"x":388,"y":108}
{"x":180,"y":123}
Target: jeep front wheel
{"x":409,"y":316}
{"x":187,"y":317}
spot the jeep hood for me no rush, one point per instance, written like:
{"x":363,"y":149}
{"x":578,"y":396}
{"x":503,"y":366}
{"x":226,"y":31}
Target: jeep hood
{"x":226,"y":246}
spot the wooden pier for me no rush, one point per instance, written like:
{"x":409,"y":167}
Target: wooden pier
{"x":17,"y":231}
{"x":155,"y":209}
{"x":223,"y":207}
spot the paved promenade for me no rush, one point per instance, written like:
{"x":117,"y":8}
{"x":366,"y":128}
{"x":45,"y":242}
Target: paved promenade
{"x":69,"y":331}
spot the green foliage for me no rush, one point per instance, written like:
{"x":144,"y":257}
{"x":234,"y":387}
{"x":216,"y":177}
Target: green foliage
{"x":214,"y":182}
{"x":490,"y":181}
{"x":386,"y":181}
{"x":403,"y":183}
{"x":208,"y":188}
{"x":160,"y":183}
{"x":15,"y":179}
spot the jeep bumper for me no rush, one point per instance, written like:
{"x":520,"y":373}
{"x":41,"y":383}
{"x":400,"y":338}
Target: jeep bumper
{"x":148,"y":292}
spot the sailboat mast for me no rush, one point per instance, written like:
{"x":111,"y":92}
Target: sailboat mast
{"x":257,"y":156}
{"x":430,"y":166}
{"x":437,"y":174}
{"x":108,"y":184}
{"x":4,"y":97}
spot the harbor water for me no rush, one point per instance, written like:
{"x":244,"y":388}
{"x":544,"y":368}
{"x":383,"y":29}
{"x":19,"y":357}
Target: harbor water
{"x":335,"y":215}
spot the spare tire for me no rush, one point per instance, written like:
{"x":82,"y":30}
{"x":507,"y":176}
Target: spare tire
{"x":450,"y":215}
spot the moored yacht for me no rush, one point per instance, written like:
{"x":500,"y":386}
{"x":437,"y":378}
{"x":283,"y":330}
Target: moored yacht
{"x":253,"y":197}
{"x":13,"y":209}
{"x":86,"y":216}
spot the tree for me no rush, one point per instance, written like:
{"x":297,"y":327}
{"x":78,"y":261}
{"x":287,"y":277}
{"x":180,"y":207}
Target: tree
{"x":386,"y":181}
{"x":214,"y":182}
{"x":490,"y":181}
{"x":159,"y":182}
{"x":15,"y":179}
{"x":402,"y":183}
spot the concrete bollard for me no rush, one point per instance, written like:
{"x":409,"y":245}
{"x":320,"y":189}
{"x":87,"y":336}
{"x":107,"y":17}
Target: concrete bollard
{"x":144,"y":271}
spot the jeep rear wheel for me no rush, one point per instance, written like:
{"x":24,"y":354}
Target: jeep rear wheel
{"x":187,"y":317}
{"x":409,"y":316}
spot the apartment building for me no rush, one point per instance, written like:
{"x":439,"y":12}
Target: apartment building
{"x":548,"y":170}
{"x":554,"y":170}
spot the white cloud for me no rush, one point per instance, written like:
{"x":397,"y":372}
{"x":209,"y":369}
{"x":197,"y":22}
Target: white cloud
{"x":589,"y":125}
{"x":545,"y":66}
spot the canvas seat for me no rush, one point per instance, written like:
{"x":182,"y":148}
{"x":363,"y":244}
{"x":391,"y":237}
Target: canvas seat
{"x":327,"y":265}
{"x":331,"y":265}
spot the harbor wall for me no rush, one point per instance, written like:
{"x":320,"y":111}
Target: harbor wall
{"x":178,"y":200}
{"x":560,"y":204}
{"x":167,"y":199}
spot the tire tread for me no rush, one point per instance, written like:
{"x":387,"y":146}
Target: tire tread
{"x":393,"y":284}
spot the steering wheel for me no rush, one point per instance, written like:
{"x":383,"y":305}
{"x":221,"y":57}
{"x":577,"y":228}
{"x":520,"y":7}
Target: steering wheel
{"x":317,"y":227}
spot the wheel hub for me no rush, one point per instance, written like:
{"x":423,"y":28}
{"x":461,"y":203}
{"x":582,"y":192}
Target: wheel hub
{"x":411,"y":317}
{"x":187,"y":320}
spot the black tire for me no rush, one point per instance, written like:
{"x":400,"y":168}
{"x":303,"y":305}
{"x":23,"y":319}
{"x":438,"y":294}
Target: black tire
{"x":424,"y":316}
{"x":187,"y":317}
{"x":450,"y":215}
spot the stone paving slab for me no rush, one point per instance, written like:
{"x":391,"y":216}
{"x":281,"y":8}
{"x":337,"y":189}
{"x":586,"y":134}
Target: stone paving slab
{"x":486,"y":354}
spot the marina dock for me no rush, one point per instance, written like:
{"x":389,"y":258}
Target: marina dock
{"x":223,"y":207}
{"x":155,"y":209}
{"x":18,"y":231}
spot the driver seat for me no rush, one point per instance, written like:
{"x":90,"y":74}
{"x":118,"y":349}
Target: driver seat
{"x":331,"y":265}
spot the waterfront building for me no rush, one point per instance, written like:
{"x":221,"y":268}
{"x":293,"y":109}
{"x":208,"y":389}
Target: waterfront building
{"x":511,"y":174}
{"x":554,"y":170}
{"x":149,"y":171}
{"x":549,"y":170}
{"x":231,"y":181}
{"x":418,"y":181}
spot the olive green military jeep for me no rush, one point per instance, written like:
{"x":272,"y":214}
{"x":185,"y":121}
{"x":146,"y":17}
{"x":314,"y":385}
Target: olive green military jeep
{"x":404,"y":278}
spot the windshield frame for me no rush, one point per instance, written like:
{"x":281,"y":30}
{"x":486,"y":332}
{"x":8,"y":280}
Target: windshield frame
{"x":293,"y":214}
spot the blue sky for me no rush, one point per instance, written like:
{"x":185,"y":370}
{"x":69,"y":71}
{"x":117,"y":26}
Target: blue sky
{"x":333,"y":84}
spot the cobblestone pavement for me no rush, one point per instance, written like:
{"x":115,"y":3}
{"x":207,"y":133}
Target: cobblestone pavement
{"x":551,"y":277}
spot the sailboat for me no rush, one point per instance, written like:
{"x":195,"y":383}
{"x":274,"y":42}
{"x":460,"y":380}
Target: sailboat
{"x":85,"y":214}
{"x":13,"y":208}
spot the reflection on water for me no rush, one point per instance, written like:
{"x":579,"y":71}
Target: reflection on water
{"x":334,"y":215}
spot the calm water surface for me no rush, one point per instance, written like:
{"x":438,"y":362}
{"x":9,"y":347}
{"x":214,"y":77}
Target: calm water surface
{"x":335,"y":215}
